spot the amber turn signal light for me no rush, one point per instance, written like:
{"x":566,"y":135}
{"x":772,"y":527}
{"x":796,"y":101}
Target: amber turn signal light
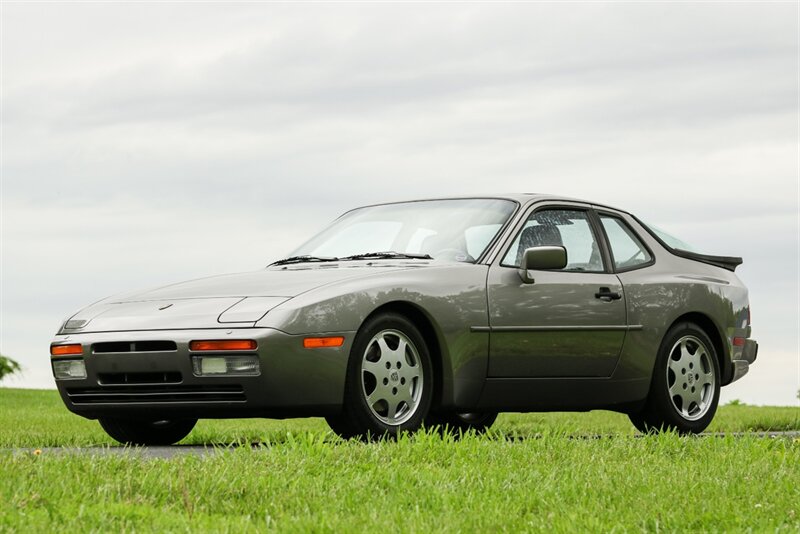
{"x":322,"y":342}
{"x":223,"y":344}
{"x":66,"y":350}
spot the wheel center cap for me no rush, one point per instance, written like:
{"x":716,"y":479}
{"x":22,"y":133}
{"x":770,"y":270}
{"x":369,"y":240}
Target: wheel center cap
{"x":691,"y":379}
{"x":394,"y":377}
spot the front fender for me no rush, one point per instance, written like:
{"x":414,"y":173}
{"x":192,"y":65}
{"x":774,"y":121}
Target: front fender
{"x":451,"y":296}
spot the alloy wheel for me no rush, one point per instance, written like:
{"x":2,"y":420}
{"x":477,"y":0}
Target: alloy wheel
{"x":392,"y":378}
{"x":690,"y":378}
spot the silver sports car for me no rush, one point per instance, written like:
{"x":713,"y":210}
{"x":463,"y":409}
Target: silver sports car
{"x":432,"y":312}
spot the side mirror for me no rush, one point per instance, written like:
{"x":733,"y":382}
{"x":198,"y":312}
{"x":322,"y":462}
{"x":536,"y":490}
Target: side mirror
{"x":541,"y":259}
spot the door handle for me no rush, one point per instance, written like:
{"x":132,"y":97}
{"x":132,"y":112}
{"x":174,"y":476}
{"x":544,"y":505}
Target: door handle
{"x":607,"y":295}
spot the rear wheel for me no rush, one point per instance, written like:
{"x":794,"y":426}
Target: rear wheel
{"x":684,"y":392}
{"x":389,"y":384}
{"x":479,"y":422}
{"x":145,"y":432}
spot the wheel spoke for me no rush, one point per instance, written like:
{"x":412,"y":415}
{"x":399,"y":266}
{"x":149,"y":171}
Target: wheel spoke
{"x":391,"y":410}
{"x":376,"y":369}
{"x":701,"y":400}
{"x":380,"y":393}
{"x":410,"y":373}
{"x":685,"y":354}
{"x":401,"y":350}
{"x":373,"y":397}
{"x":676,"y":366}
{"x":681,"y":401}
{"x":384,"y":347}
{"x":699,"y":393}
{"x":697,"y":358}
{"x":691,"y":397}
{"x":706,"y":379}
{"x":404,"y":394}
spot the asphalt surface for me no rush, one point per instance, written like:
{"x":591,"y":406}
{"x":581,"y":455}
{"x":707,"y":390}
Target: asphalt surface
{"x":166,"y":452}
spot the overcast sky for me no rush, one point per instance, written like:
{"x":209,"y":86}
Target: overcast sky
{"x":144,"y":144}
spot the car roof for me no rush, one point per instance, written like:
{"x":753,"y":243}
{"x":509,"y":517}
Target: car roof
{"x":522,"y":198}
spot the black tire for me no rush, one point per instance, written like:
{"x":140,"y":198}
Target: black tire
{"x":460,"y":423}
{"x":370,"y":421}
{"x":638,"y":421}
{"x":681,"y":399}
{"x":143,"y":432}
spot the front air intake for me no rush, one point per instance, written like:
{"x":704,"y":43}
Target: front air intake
{"x":134,"y":346}
{"x":169,"y":377}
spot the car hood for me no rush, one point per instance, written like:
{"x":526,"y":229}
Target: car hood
{"x":216,"y":302}
{"x":273,"y":282}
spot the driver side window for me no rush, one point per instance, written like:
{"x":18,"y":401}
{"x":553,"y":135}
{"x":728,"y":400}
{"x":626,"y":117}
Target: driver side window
{"x":567,"y":228}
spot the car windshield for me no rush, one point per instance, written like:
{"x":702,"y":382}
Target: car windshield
{"x":670,"y":240}
{"x":454,"y":230}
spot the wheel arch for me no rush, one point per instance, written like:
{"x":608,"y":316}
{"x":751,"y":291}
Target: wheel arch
{"x":715,"y":334}
{"x":432,"y":336}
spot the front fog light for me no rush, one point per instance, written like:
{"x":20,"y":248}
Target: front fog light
{"x":238,"y":365}
{"x":66,"y":369}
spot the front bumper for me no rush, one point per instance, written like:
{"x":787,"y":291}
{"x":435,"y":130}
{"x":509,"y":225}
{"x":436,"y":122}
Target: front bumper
{"x":294,"y":381}
{"x":741,"y":365}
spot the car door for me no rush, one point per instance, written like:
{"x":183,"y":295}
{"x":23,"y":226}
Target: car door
{"x":566,"y":323}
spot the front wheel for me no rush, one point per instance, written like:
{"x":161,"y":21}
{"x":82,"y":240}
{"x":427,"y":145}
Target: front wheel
{"x":684,"y":392}
{"x":145,"y":432}
{"x":389,"y":383}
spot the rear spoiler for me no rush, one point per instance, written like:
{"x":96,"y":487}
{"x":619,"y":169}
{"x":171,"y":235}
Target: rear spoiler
{"x":726,"y":262}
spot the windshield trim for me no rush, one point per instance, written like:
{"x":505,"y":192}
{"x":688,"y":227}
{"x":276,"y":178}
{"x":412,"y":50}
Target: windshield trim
{"x":512,"y":217}
{"x":414,"y":201}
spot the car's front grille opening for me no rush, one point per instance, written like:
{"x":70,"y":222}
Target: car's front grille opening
{"x":154,"y":394}
{"x":134,"y":346}
{"x":168,"y":377}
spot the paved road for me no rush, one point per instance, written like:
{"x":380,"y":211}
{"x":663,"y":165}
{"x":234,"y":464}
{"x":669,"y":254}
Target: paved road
{"x":209,"y":450}
{"x":145,"y":452}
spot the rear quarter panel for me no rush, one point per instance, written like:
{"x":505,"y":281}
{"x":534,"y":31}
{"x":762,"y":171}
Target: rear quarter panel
{"x":659,"y":295}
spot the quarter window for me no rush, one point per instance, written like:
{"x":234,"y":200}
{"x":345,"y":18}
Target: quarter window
{"x":626,"y":248}
{"x":567,"y":228}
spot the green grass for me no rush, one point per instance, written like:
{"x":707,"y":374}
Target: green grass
{"x":561,"y":472}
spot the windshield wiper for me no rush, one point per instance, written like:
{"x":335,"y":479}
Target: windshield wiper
{"x":302,"y":259}
{"x":365,"y":256}
{"x":387,"y":255}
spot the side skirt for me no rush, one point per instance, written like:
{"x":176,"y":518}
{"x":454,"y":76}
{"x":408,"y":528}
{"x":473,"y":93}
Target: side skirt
{"x":562,"y":394}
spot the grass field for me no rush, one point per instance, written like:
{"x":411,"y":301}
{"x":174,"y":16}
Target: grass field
{"x":553,"y":472}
